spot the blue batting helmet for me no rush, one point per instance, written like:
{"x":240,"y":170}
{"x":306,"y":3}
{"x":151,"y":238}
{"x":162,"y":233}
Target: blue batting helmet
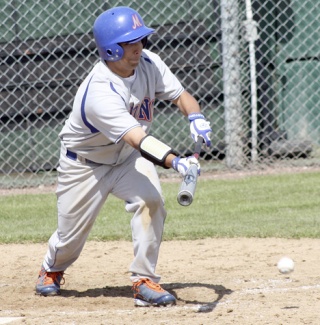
{"x":118,"y":25}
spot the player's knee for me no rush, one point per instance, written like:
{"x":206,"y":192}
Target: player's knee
{"x":150,"y":201}
{"x":153,"y":200}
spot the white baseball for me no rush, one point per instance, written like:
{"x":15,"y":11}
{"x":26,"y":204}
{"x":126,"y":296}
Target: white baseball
{"x":285,"y":265}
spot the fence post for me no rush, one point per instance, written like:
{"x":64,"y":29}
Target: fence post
{"x":251,"y":36}
{"x":231,"y":83}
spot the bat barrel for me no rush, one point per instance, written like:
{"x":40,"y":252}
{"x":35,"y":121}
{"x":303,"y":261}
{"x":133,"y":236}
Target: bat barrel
{"x":188,"y":186}
{"x":185,"y":198}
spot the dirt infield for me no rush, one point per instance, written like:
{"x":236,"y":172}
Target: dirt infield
{"x":216,"y":281}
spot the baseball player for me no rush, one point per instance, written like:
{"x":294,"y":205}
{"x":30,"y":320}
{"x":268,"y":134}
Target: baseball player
{"x":106,"y":148}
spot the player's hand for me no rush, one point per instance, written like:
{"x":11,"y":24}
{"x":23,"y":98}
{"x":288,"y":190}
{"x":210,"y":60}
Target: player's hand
{"x":182,"y":165}
{"x":200,"y":127}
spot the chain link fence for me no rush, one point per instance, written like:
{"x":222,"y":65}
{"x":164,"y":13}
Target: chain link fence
{"x":252,"y":65}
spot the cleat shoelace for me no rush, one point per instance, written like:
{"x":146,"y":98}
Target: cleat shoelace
{"x":53,"y":277}
{"x":150,"y":284}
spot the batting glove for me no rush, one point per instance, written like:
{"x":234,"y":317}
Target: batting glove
{"x":182,"y":165}
{"x":200,"y":127}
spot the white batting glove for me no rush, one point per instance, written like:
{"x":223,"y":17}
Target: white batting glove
{"x":182,"y":165}
{"x":200,"y":127}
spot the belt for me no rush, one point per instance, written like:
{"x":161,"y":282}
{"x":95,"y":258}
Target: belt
{"x":73,"y":156}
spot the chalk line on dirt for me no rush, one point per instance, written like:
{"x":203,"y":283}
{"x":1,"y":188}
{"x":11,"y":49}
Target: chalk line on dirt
{"x":7,"y":320}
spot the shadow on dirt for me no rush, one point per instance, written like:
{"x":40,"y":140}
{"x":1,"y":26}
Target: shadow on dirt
{"x":209,"y":301}
{"x":207,"y":304}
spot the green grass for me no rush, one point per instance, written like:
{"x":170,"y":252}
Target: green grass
{"x":258,"y":206}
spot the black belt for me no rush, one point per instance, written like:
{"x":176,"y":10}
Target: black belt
{"x":73,"y":156}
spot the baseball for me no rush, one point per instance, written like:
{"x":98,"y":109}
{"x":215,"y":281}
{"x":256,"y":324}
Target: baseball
{"x":285,"y":265}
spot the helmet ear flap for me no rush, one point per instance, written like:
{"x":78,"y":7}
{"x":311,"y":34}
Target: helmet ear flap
{"x":114,"y":52}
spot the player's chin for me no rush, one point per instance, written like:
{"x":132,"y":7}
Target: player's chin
{"x":134,"y":63}
{"x":135,"y":60}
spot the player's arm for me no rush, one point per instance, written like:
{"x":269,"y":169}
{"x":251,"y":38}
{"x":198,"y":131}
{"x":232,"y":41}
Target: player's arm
{"x":187,"y":104}
{"x":158,"y":152}
{"x":199,"y":126}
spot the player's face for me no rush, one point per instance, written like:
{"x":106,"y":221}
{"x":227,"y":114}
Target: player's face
{"x":130,"y":60}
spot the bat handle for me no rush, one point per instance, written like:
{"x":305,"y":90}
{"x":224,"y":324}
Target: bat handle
{"x":197,"y":148}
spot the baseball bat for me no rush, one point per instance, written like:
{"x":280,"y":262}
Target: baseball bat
{"x":189,"y":183}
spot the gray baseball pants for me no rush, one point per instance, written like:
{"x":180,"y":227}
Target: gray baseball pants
{"x":81,"y":192}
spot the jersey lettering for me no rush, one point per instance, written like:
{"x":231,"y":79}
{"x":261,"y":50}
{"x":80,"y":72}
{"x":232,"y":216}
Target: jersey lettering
{"x":143,"y":111}
{"x":136,"y":22}
{"x":133,"y":110}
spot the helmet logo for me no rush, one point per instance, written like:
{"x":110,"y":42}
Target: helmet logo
{"x":136,"y":22}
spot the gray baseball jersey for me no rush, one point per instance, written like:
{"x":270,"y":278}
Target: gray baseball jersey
{"x":107,"y":106}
